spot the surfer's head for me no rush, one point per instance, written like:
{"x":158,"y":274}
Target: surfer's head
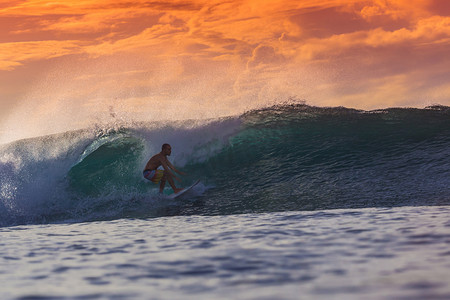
{"x":166,"y":149}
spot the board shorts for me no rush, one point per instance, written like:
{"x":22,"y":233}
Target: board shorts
{"x":153,"y":175}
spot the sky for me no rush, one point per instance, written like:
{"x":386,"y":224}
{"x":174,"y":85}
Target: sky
{"x":67,"y":64}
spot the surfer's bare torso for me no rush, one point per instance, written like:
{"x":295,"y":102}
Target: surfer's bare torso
{"x":156,"y":161}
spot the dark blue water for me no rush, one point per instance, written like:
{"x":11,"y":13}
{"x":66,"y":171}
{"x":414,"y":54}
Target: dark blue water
{"x":295,"y":202}
{"x":284,"y":158}
{"x":369,"y":253}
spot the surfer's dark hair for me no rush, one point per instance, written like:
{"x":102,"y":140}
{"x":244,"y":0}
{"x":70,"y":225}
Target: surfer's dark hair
{"x":165,"y":146}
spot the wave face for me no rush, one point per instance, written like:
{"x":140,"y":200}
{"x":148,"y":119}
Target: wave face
{"x":283,"y":158}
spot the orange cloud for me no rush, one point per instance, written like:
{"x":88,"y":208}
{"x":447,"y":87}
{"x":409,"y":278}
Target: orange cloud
{"x":434,"y":30}
{"x":395,"y":9}
{"x":13,"y":55}
{"x":243,"y":52}
{"x":217,"y":29}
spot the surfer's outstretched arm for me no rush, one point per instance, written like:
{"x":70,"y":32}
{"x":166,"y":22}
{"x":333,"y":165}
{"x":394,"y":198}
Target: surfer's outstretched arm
{"x":167,"y":169}
{"x":175,"y":169}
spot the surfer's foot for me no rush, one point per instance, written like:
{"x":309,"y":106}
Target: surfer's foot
{"x":176,"y":190}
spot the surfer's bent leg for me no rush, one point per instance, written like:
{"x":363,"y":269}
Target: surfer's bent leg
{"x":156,"y":176}
{"x":162,"y":183}
{"x":171,"y":182}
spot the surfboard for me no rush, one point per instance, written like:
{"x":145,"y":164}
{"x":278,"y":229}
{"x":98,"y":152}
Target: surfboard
{"x":173,"y":196}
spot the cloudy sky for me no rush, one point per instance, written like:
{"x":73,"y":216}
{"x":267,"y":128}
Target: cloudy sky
{"x":64,"y":64}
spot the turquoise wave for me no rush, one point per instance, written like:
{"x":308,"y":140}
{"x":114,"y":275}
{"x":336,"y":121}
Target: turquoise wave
{"x":292,"y":157}
{"x":306,"y":158}
{"x":110,"y":166}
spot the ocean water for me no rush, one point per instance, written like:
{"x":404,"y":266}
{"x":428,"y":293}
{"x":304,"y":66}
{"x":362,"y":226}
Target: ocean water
{"x":370,"y":253}
{"x":295,"y":202}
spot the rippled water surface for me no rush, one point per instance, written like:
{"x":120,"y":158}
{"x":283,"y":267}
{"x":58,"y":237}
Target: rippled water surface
{"x":372,"y":253}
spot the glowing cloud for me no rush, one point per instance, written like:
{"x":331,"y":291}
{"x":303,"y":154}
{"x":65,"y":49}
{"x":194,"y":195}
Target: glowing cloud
{"x":215,"y":58}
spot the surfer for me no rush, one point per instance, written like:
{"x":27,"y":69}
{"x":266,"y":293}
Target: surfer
{"x":152,"y":173}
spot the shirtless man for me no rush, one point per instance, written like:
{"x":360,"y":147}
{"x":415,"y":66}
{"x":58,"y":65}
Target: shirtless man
{"x":152,"y":173}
